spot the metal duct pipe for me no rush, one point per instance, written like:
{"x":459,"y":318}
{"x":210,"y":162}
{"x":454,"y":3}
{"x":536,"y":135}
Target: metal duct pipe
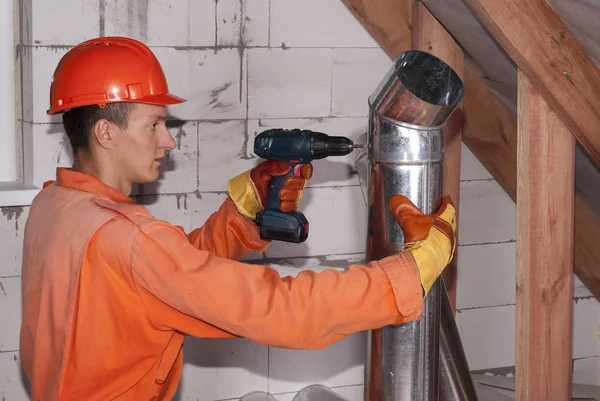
{"x":456,"y":383}
{"x":408,"y":111}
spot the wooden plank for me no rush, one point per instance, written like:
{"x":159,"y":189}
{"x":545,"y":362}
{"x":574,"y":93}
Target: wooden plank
{"x":545,"y":189}
{"x":389,"y":22}
{"x":430,"y":36}
{"x":491,"y":134}
{"x":534,"y":36}
{"x":488,"y":131}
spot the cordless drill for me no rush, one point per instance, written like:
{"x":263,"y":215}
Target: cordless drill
{"x":297,"y":148}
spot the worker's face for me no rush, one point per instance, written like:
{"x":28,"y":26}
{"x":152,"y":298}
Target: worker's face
{"x":143,"y":144}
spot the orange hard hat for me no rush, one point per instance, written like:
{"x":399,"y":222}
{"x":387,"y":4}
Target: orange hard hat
{"x":108,"y":70}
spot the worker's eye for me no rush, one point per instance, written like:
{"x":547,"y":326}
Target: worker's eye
{"x":153,"y":126}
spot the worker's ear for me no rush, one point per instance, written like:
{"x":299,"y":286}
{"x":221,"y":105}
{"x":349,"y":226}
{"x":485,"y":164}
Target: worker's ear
{"x":103,"y":133}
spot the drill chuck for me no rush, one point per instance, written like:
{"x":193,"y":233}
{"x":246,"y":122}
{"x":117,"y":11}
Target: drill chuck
{"x":323,"y":145}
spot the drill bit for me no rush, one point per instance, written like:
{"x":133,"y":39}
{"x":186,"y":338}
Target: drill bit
{"x":357,"y":146}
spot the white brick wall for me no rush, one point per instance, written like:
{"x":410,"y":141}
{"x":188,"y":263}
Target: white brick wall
{"x":246,"y":66}
{"x":300,"y":86}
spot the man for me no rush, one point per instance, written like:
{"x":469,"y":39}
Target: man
{"x":109,"y":291}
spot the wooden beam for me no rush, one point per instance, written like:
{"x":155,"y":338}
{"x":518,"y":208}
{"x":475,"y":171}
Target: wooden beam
{"x":387,"y":21}
{"x":488,"y":131}
{"x":544,"y":49}
{"x":491,"y":134}
{"x":546,"y":192}
{"x":430,"y":36}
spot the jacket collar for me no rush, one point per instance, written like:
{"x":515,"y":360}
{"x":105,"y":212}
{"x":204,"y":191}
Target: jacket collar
{"x":67,"y":178}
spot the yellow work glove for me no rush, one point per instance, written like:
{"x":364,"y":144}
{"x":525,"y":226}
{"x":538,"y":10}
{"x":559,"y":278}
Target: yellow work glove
{"x":249,"y":190}
{"x":430,"y":239}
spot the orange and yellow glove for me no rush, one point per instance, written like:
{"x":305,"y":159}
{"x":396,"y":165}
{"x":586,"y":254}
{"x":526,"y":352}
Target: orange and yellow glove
{"x":249,"y":190}
{"x":431,"y":240}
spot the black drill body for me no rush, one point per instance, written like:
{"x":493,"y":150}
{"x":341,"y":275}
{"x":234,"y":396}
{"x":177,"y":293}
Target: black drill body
{"x":297,"y":148}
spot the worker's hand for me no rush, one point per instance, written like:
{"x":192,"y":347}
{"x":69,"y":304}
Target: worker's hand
{"x":250,"y":189}
{"x":430,"y":239}
{"x":293,"y":187}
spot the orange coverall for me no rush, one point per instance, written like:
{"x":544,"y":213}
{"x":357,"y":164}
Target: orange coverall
{"x":109,"y":292}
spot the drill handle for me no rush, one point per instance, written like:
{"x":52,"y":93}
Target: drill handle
{"x":277,"y":183}
{"x":275,"y":187}
{"x":277,"y":225}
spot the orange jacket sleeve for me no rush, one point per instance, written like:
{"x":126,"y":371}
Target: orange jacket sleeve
{"x":228,"y":234}
{"x":310,"y":311}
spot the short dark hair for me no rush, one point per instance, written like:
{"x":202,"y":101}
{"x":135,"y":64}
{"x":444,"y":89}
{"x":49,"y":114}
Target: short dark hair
{"x":79,"y":121}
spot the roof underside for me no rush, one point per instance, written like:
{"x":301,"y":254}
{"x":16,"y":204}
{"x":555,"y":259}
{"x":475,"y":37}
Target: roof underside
{"x":499,"y":73}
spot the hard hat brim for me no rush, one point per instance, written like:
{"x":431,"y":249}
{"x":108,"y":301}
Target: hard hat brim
{"x":163,"y":100}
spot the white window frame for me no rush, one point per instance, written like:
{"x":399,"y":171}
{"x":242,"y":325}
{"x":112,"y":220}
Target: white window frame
{"x":16,"y":178}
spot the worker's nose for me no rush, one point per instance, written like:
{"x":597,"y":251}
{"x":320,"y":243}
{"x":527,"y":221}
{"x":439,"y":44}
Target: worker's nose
{"x":166,"y":140}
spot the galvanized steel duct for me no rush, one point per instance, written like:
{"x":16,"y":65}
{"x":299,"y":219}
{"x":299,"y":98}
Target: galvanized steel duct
{"x":408,"y":111}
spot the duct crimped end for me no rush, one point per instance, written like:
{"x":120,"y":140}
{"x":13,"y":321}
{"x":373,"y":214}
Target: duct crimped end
{"x":419,"y":89}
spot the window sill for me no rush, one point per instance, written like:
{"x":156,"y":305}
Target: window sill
{"x":17,"y":194}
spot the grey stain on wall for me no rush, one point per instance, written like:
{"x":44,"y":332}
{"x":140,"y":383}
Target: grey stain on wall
{"x":215,"y":97}
{"x":214,"y":93}
{"x":187,"y":48}
{"x":203,"y":60}
{"x":180,"y":134}
{"x":101,"y":17}
{"x":216,"y":22}
{"x":181,"y":201}
{"x":244,"y":154}
{"x":12,"y":212}
{"x":242,"y":44}
{"x":238,"y":18}
{"x":56,"y":48}
{"x":129,"y":17}
{"x":137,"y":17}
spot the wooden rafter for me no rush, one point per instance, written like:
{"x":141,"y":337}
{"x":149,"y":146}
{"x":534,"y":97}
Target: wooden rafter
{"x":489,"y":131}
{"x":430,"y":36}
{"x":546,"y":171}
{"x":537,"y":40}
{"x":389,"y":22}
